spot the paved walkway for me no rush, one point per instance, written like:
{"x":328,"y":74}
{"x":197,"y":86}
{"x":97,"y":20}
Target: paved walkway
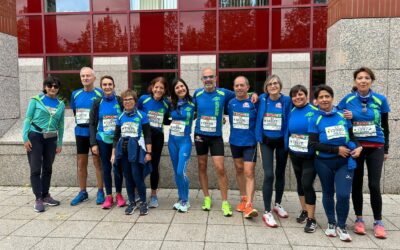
{"x":88,"y":227}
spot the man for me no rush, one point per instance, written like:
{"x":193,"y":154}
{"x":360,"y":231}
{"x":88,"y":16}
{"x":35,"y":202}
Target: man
{"x":81,"y":103}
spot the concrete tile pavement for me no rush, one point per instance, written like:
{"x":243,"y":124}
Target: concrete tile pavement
{"x":87,"y":226}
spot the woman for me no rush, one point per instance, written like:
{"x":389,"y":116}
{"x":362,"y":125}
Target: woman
{"x":179,"y":142}
{"x":330,"y":135}
{"x":302,"y":156}
{"x":131,"y":152}
{"x":371,"y":128}
{"x":103,"y":117}
{"x":271,"y":132}
{"x":42,"y":135}
{"x":157,"y":108}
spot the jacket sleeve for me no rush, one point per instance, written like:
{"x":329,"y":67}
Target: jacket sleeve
{"x":61,"y":127}
{"x":386,"y":132}
{"x":317,"y":146}
{"x":28,"y":119}
{"x":146,"y":133}
{"x":93,"y":122}
{"x":117,"y":135}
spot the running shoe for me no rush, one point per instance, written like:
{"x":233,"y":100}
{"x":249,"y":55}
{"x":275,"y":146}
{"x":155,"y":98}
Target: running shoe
{"x":359,"y":226}
{"x":131,"y":208}
{"x":48,"y":200}
{"x":280,"y":211}
{"x":184,"y":207}
{"x":226,"y":209}
{"x":249,"y":211}
{"x":81,"y":197}
{"x":100,"y":197}
{"x":120,"y":200}
{"x":176,"y":205}
{"x":38,"y":207}
{"x":330,"y":230}
{"x":153,"y":201}
{"x":108,"y":203}
{"x":242,"y":205}
{"x":269,"y":219}
{"x":343,"y":234}
{"x":311,"y":226}
{"x":143,"y":208}
{"x":206,"y":203}
{"x":379,"y":230}
{"x":302,"y":217}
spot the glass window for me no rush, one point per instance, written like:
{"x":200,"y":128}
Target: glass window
{"x":319,"y":59}
{"x":240,"y":3}
{"x":318,"y":77}
{"x":28,"y":6}
{"x":67,"y":62}
{"x":154,"y":32}
{"x":256,"y":79}
{"x":69,"y":83}
{"x":320,"y":27}
{"x":61,"y":38}
{"x":198,"y":31}
{"x":197,"y":4}
{"x":321,"y":1}
{"x":153,"y":4}
{"x":291,"y":28}
{"x":66,"y":5}
{"x":243,"y":60}
{"x":29,"y":29}
{"x":289,"y":2}
{"x":141,"y":81}
{"x":110,"y":5}
{"x":243,"y":29}
{"x":154,"y":62}
{"x":110,"y":33}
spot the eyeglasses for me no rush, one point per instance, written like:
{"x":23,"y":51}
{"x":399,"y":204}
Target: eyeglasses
{"x":208,"y":77}
{"x":272,"y":83}
{"x":129,"y":99}
{"x":50,"y":86}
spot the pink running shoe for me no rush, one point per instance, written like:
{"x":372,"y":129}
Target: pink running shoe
{"x":120,"y":200}
{"x":379,"y":231}
{"x":108,"y":203}
{"x":359,"y":227}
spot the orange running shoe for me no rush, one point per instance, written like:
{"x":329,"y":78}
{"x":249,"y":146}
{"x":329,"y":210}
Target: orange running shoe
{"x":359,"y":227}
{"x":250,"y":212}
{"x":242,"y":205}
{"x":379,"y":231}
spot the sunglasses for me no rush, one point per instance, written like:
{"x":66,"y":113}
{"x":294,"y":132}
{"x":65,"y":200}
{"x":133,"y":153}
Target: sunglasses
{"x":208,"y":77}
{"x":55,"y":86}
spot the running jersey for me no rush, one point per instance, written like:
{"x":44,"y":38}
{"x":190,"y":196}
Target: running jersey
{"x":182,"y":119}
{"x":242,"y":118}
{"x":81,"y":103}
{"x":109,"y":111}
{"x":51,"y":104}
{"x":332,"y":129}
{"x":155,"y":110}
{"x":366,"y":115}
{"x":210,"y":109}
{"x":131,"y":124}
{"x":298,"y":129}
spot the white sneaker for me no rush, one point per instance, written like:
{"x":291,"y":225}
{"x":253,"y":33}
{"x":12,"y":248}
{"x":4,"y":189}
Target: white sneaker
{"x":330,"y":230}
{"x":184,"y":207}
{"x":177,"y":205}
{"x":343,"y":234}
{"x":280,"y":211}
{"x":269,"y":219}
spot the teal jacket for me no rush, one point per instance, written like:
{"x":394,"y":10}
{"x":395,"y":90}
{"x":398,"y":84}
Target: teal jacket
{"x":38,"y":114}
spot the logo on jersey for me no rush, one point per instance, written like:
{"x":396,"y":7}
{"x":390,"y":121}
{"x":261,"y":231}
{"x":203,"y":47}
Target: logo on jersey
{"x":278,"y":105}
{"x":246,"y":105}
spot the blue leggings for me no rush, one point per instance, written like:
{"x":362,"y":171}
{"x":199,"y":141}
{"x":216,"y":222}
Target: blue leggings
{"x":105,"y":151}
{"x":133,"y":174}
{"x":180,"y":148}
{"x":334,"y":173}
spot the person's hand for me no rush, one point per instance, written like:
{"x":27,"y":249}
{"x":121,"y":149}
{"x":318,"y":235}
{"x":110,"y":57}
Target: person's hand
{"x":112,"y":159}
{"x":28,"y":146}
{"x":254,"y":98}
{"x":58,"y":150}
{"x":95,"y":150}
{"x":356,"y":152}
{"x":348,"y":114}
{"x":147,"y":158}
{"x":385,"y":157}
{"x":344,"y":151}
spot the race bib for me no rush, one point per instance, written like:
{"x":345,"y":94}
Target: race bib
{"x":82,"y":116}
{"x":130,"y":129}
{"x":177,"y":128}
{"x":364,"y":129}
{"x":155,"y":118}
{"x":241,"y":120}
{"x":208,"y":123}
{"x":272,"y":122}
{"x":334,"y":132}
{"x":298,"y":143}
{"x":109,"y":122}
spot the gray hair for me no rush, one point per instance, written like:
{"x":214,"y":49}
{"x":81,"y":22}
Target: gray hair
{"x":270,"y":79}
{"x":245,"y":80}
{"x":83,"y":68}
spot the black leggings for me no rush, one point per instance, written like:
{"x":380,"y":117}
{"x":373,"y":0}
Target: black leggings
{"x":374,"y":159}
{"x":157,"y":143}
{"x":305,"y":176}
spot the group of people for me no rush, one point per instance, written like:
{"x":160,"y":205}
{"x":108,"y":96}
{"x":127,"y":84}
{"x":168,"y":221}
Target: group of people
{"x":125,"y":136}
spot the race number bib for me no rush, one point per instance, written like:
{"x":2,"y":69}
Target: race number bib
{"x":109,"y":122}
{"x":364,"y":129}
{"x":155,"y":118}
{"x":208,"y":123}
{"x":130,"y":129}
{"x":241,"y":120}
{"x":272,"y":122}
{"x":177,"y":128}
{"x":334,"y":132}
{"x":298,"y":143}
{"x":82,"y":116}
